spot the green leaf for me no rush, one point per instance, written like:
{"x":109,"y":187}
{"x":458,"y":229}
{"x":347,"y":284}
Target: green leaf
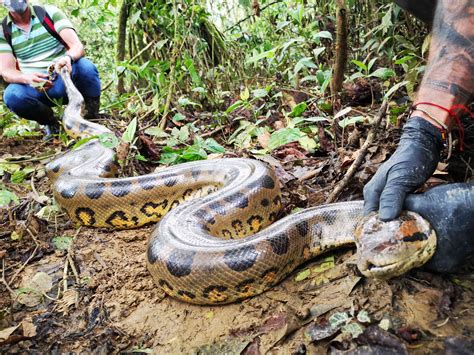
{"x":189,"y":64}
{"x":284,"y":136}
{"x":18,"y":177}
{"x":395,"y":88}
{"x":299,"y":109}
{"x":134,"y":18}
{"x":244,"y":95}
{"x":62,"y":243}
{"x":323,"y":34}
{"x":7,"y":197}
{"x":308,"y":143}
{"x":108,"y":140}
{"x":371,"y":64}
{"x":359,"y":64}
{"x":212,"y":146}
{"x":353,"y":328}
{"x":156,"y":132}
{"x":178,"y":117}
{"x":234,"y":106}
{"x":338,"y":319}
{"x":383,"y":73}
{"x":83,"y":141}
{"x":184,"y":101}
{"x":303,"y":275}
{"x":259,"y":56}
{"x":169,"y":158}
{"x":259,"y":93}
{"x":404,"y":59}
{"x":363,"y":316}
{"x":129,"y":133}
{"x":194,"y":152}
{"x":326,"y":264}
{"x":347,"y":121}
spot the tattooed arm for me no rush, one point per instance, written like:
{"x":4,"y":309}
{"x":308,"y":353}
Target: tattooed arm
{"x":449,"y":76}
{"x":448,"y":81}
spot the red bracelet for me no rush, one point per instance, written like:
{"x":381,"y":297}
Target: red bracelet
{"x":452,"y":114}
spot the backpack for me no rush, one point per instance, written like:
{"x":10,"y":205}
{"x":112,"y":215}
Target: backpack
{"x":44,"y":19}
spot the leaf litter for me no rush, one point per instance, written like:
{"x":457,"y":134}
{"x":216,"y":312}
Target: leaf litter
{"x":96,"y":294}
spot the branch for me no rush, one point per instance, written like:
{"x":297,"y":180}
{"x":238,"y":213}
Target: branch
{"x":360,"y":155}
{"x":250,"y":16}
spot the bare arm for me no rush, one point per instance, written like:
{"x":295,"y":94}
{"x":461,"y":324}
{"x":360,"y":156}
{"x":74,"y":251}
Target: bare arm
{"x":449,"y":76}
{"x":11,"y":74}
{"x":76,"y":48}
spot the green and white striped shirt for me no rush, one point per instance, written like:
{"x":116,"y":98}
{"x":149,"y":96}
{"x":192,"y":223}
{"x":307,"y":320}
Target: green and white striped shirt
{"x":36,"y":50}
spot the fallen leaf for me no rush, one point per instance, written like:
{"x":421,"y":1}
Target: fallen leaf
{"x":264,"y":138}
{"x":31,"y":294}
{"x":5,"y":333}
{"x":29,"y":329}
{"x":317,"y":332}
{"x":374,"y":335}
{"x":343,"y":112}
{"x":353,"y":329}
{"x":303,"y":275}
{"x":338,"y":319}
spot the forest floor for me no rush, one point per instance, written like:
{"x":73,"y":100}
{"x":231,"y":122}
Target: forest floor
{"x":90,"y":291}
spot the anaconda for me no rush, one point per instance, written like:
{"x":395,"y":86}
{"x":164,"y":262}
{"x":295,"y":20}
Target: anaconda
{"x":217,"y":239}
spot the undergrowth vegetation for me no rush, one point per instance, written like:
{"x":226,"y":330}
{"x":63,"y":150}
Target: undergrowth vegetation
{"x":185,"y":78}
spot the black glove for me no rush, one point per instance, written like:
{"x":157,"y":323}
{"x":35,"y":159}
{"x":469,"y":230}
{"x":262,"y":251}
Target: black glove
{"x":408,"y":168}
{"x":450,"y":210}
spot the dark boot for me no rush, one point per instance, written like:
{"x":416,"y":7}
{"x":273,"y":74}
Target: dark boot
{"x":50,"y":130}
{"x":91,"y":108}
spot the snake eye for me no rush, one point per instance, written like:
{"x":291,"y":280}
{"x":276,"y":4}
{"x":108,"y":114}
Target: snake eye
{"x":370,"y":266}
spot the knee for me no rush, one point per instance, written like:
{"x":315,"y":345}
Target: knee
{"x":14,"y":97}
{"x":84,"y":67}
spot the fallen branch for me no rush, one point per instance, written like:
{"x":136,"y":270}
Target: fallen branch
{"x":360,"y":155}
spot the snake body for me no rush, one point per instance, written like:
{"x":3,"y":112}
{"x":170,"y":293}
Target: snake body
{"x":217,"y":239}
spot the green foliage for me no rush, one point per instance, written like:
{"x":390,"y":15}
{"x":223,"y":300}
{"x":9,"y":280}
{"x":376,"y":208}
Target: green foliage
{"x":7,"y":197}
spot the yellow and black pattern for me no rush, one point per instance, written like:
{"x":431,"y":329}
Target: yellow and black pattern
{"x":210,"y":247}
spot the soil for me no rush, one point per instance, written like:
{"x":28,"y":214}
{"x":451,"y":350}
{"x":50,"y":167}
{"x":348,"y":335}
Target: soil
{"x":97,"y":296}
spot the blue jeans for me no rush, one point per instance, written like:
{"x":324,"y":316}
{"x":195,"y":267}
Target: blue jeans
{"x":29,"y":103}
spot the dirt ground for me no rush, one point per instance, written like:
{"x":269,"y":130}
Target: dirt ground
{"x":94,"y":293}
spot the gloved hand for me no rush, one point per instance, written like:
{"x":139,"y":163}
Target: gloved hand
{"x":450,"y":211}
{"x":408,"y":168}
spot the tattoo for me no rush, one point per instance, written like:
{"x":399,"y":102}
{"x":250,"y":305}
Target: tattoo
{"x":452,"y":88}
{"x":451,"y":65}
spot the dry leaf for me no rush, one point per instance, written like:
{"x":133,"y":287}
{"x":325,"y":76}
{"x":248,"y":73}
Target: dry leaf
{"x":70,"y":298}
{"x":29,"y":329}
{"x":31,"y":294}
{"x":263,"y":139}
{"x":5,"y":333}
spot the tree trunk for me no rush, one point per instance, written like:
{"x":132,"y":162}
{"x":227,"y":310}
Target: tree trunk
{"x":121,"y":40}
{"x":341,"y":48}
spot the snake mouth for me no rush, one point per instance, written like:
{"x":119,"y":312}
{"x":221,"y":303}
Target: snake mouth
{"x":382,"y":271}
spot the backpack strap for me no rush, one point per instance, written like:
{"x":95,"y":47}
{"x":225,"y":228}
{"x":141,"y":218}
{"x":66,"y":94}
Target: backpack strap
{"x":7,"y":32}
{"x":48,"y":24}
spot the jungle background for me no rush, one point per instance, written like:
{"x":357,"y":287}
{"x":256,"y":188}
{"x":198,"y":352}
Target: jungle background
{"x":297,"y":84}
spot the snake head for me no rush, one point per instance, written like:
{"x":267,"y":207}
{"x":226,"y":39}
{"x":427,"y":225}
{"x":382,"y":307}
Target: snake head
{"x":389,"y":249}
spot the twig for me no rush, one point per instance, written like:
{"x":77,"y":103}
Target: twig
{"x":3,"y":280}
{"x":29,"y":258}
{"x":214,"y":131}
{"x":360,"y":155}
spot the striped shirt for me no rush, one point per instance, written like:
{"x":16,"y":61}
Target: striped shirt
{"x":37,"y":49}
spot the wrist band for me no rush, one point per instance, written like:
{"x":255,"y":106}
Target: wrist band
{"x":452,"y":114}
{"x":445,"y":132}
{"x":72,"y":59}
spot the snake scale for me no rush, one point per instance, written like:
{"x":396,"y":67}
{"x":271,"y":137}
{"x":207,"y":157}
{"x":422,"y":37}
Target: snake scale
{"x":217,"y":239}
